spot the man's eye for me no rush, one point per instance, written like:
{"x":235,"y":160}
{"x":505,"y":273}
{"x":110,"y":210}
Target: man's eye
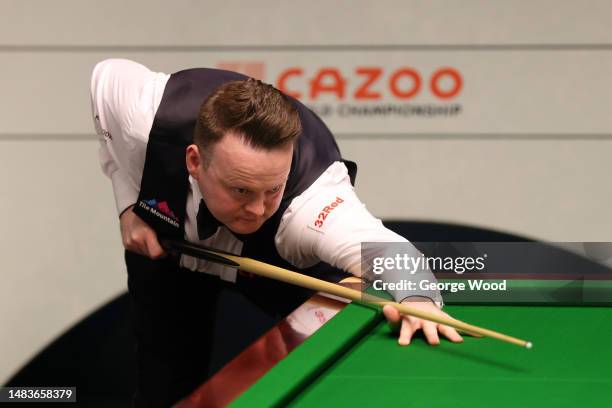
{"x":275,"y":189}
{"x":240,"y":191}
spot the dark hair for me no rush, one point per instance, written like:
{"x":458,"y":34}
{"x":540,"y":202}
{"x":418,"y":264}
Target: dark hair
{"x":256,"y":111}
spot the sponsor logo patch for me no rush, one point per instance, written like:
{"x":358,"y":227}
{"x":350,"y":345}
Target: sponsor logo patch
{"x":161,"y":210}
{"x":326,"y":211}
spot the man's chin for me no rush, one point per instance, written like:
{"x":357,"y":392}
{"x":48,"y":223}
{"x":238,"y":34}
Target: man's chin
{"x":244,"y":227}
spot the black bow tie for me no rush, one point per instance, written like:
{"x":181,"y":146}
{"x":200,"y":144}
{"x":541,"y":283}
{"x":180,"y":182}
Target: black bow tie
{"x":207,"y":223}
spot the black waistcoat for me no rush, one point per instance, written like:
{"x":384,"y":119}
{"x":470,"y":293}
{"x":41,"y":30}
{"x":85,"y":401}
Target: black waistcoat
{"x":164,"y":186}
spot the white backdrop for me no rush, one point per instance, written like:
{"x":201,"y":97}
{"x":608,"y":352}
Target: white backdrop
{"x":526,"y":151}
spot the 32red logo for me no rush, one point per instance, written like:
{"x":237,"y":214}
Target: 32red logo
{"x":326,"y":210}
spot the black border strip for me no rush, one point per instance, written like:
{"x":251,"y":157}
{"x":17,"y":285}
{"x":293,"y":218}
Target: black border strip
{"x":8,"y":48}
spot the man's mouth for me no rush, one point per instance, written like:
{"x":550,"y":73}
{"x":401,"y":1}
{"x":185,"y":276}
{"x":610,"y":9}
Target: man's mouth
{"x":243,"y":219}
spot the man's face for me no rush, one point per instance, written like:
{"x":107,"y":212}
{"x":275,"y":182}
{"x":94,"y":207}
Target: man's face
{"x":241,"y":186}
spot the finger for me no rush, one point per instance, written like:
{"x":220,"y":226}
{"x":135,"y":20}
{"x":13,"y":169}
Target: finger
{"x":450,"y":333}
{"x":431,"y":333}
{"x":133,"y":244}
{"x":393,"y":317}
{"x":154,"y":249}
{"x":406,"y":333}
{"x":140,"y":247}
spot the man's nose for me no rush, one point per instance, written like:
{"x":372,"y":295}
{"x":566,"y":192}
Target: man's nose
{"x":256,"y":206}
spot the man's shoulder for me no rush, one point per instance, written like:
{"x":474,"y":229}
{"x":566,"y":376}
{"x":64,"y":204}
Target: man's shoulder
{"x":116,"y":67}
{"x":210,"y":74}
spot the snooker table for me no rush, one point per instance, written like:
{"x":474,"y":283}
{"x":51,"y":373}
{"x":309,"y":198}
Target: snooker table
{"x":354,"y":360}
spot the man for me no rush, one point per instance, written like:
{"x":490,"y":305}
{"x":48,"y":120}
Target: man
{"x":232,"y":163}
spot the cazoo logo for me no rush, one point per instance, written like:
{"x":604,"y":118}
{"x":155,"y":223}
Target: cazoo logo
{"x":369,"y":83}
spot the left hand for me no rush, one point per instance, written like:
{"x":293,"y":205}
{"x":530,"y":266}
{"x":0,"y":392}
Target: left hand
{"x":408,"y":325}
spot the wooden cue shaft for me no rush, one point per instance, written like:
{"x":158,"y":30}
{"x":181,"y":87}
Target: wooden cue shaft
{"x":294,"y":278}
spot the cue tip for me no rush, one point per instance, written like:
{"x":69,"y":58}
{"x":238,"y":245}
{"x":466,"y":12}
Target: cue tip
{"x":528,"y":345}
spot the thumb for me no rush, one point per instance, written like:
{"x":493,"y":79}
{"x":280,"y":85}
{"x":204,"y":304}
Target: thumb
{"x":393,"y":316}
{"x":154,"y":248}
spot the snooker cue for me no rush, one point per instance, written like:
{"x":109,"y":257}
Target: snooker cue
{"x":308,"y":282}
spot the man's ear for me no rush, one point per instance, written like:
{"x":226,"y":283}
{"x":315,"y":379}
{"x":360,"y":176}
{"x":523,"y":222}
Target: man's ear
{"x":193,"y":161}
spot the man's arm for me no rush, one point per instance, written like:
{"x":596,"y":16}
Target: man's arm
{"x":124,"y":98}
{"x":328,"y":223}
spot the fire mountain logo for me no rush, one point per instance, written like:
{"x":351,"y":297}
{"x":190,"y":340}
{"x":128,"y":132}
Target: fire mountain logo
{"x":161,"y":207}
{"x":161,"y":210}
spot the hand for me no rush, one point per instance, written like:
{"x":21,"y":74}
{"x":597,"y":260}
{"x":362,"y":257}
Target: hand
{"x":410,"y":324}
{"x":138,"y":237}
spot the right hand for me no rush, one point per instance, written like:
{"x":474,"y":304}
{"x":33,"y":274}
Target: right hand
{"x":138,"y":237}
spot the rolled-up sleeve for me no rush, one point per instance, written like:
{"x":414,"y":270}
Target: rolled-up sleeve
{"x":328,"y":222}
